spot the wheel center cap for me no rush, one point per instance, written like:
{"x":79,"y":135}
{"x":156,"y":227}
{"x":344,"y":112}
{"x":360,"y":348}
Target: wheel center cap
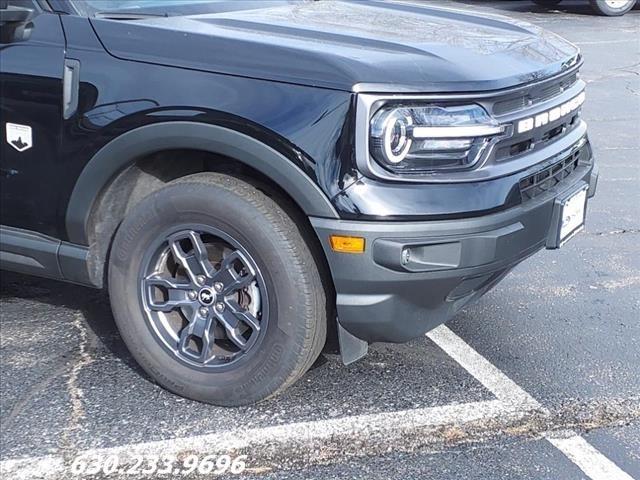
{"x":206,"y":297}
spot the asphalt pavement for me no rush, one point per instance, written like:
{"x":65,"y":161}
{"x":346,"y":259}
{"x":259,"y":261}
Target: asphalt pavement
{"x":538,"y":380}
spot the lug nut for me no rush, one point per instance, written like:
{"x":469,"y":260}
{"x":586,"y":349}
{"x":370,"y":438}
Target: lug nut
{"x":218,"y":286}
{"x":200,"y":279}
{"x":220,"y":307}
{"x":204,"y":311}
{"x":192,"y":295}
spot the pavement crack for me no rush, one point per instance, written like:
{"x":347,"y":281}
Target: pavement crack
{"x":630,"y":69}
{"x":19,"y":408}
{"x":533,"y":425}
{"x":617,"y":231}
{"x":614,"y":72}
{"x":83,"y":359}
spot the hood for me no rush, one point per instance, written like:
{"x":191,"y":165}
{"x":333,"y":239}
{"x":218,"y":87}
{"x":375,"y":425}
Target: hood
{"x":352,"y":46}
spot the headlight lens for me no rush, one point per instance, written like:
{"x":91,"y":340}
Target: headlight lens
{"x":419,"y":139}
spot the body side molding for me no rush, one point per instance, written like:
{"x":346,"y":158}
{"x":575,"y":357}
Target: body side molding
{"x":33,"y":253}
{"x":28,"y":252}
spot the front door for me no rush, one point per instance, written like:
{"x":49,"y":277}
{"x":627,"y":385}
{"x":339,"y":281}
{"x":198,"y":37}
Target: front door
{"x":31,"y":70}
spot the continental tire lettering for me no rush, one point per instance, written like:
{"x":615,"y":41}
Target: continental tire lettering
{"x":274,"y":358}
{"x":130,"y":237}
{"x":177,"y":387}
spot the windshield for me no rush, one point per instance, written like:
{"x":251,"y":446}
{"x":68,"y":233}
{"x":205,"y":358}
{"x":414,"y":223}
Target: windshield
{"x":160,"y":7}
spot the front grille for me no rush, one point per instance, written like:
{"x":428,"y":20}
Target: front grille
{"x":535,"y":95}
{"x":528,"y":102}
{"x":512,"y":147}
{"x":548,"y":177}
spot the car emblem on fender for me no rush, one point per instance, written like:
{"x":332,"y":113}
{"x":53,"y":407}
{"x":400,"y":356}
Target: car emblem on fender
{"x":19,"y":137}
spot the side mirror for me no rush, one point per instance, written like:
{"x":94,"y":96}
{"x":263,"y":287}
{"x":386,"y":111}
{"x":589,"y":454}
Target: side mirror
{"x":14,"y":23}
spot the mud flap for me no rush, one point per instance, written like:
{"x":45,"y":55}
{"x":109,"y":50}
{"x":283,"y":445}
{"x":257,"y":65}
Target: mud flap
{"x":352,"y":348}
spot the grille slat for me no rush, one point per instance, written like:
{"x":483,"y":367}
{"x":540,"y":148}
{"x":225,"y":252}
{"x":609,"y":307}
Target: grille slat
{"x":534,"y":96}
{"x":511,"y":147}
{"x":547,"y":178}
{"x":525,"y":103}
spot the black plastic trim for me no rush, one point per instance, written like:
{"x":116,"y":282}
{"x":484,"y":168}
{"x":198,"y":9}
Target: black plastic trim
{"x":29,"y":252}
{"x":71,"y":88}
{"x":352,"y":348}
{"x":413,"y":276}
{"x":74,"y":265}
{"x":123,"y":151}
{"x":33,"y":253}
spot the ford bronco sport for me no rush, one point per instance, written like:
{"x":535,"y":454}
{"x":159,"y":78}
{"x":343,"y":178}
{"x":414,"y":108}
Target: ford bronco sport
{"x":244,"y":177}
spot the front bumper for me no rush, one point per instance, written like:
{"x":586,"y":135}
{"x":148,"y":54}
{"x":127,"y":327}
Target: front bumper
{"x":385,"y":295}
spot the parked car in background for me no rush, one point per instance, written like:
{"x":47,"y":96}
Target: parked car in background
{"x":610,"y":8}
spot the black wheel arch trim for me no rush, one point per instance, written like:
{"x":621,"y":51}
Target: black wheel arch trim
{"x":125,"y":149}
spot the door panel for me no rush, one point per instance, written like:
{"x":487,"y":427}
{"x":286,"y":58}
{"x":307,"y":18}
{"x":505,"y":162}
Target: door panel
{"x":31,"y":103}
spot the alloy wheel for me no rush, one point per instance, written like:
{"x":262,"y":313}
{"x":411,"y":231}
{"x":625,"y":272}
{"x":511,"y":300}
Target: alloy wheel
{"x":204,"y":297}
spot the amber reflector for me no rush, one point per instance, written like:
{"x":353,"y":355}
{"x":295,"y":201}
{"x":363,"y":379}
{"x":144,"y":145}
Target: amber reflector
{"x":344,"y":244}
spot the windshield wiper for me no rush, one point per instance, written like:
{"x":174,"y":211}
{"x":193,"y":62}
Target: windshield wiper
{"x":129,"y":15}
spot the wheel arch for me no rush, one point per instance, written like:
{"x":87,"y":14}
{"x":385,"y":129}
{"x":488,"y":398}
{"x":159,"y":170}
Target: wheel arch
{"x":124,"y":151}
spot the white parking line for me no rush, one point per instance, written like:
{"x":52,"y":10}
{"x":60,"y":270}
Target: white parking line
{"x":512,"y":404}
{"x":593,"y":463}
{"x":356,"y":427}
{"x":42,"y":468}
{"x":588,"y":459}
{"x":481,"y":369}
{"x":606,"y":42}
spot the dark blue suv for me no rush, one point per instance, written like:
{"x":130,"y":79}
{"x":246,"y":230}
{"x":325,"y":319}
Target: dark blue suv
{"x":248,"y":179}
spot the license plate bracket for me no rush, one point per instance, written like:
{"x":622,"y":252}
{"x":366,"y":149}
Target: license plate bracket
{"x":568,"y":218}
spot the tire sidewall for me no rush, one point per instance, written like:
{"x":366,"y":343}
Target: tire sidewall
{"x":264,"y":368}
{"x":605,"y":9}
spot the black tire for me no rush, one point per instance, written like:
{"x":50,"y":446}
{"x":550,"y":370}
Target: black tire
{"x":547,"y":3}
{"x":601,"y":7}
{"x":296,"y":329}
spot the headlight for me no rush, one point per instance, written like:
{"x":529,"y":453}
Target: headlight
{"x":425,"y":138}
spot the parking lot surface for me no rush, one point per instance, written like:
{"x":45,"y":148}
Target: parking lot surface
{"x":538,"y":380}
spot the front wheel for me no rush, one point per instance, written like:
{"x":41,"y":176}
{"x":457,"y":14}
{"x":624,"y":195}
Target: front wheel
{"x":612,"y":8}
{"x":215,"y":291}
